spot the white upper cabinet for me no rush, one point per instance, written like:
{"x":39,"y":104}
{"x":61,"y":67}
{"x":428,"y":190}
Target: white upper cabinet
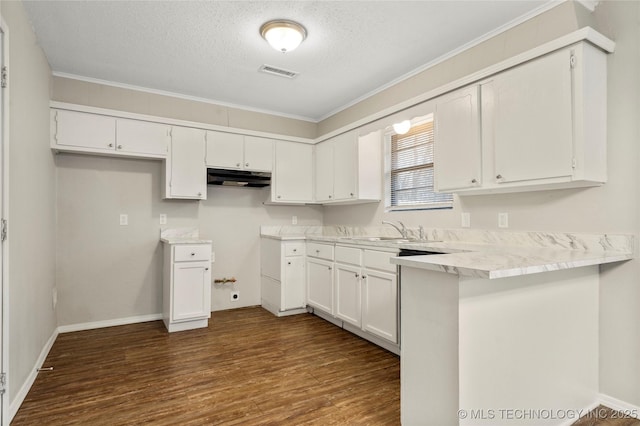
{"x":142,"y":137}
{"x":292,"y":179}
{"x":324,"y":171}
{"x":531,"y":119}
{"x":102,"y":134}
{"x":82,"y":130}
{"x":186,"y":173}
{"x":348,"y":169}
{"x":258,"y":154}
{"x":542,"y":125}
{"x":457,"y":136}
{"x":239,"y":152}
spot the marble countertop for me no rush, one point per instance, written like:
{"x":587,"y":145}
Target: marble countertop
{"x":486,"y":259}
{"x":182,"y":236}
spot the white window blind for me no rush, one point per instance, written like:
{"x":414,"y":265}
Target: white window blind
{"x":411,"y":170}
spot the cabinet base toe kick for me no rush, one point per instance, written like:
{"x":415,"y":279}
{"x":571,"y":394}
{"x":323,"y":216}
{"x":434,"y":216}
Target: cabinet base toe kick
{"x":385,"y":344}
{"x":186,"y":325}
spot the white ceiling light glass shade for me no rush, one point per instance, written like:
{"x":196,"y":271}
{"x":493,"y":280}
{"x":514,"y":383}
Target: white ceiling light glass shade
{"x":283,"y":35}
{"x":402,"y":127}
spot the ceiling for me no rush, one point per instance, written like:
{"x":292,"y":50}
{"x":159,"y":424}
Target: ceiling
{"x":212,"y":49}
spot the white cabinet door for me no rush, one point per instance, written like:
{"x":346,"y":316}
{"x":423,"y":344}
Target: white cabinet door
{"x":457,"y":149}
{"x":224,"y":150}
{"x":324,"y":169}
{"x":320,"y":284}
{"x":186,"y":171}
{"x":292,"y":181}
{"x":293,"y":285}
{"x":258,"y":154}
{"x":79,"y":129}
{"x":380,"y":304}
{"x":348,"y":294}
{"x":191,"y":291}
{"x":345,"y":170}
{"x":142,"y":137}
{"x":532,"y":119}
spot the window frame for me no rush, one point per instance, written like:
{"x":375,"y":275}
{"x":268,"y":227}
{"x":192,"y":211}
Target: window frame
{"x":436,"y":205}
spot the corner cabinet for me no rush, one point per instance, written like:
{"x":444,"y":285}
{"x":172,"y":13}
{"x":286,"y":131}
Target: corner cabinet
{"x":348,"y":169}
{"x":539,"y":125}
{"x":282,"y":276}
{"x":185,"y":171}
{"x":292,"y":178}
{"x":186,"y":301}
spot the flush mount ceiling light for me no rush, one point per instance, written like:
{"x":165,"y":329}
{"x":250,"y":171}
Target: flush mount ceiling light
{"x":402,"y":127}
{"x":283,"y":35}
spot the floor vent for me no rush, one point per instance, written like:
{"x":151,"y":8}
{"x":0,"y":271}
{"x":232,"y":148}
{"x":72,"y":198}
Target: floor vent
{"x":278,"y":71}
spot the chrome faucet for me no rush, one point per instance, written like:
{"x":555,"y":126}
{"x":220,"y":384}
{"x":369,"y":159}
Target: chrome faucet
{"x":402,"y":231}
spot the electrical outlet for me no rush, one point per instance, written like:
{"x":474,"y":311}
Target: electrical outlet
{"x":124,"y":219}
{"x":294,"y":220}
{"x":163,"y":219}
{"x":235,"y":296}
{"x":466,"y":219}
{"x":503,"y":220}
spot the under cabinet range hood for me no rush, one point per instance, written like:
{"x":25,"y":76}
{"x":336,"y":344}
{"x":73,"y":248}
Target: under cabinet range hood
{"x":241,"y":178}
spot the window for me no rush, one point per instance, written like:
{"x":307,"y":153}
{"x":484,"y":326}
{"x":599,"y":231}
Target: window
{"x":410,"y":170}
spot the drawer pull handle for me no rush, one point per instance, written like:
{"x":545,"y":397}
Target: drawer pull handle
{"x":237,"y":164}
{"x":206,"y":269}
{"x":317,"y":251}
{"x":329,"y":267}
{"x":119,"y":146}
{"x":295,"y":250}
{"x":364,"y":277}
{"x":246,"y":164}
{"x":110,"y":145}
{"x":288,"y":263}
{"x":357,"y":275}
{"x":498,"y":176}
{"x":474,"y":180}
{"x":193,"y":254}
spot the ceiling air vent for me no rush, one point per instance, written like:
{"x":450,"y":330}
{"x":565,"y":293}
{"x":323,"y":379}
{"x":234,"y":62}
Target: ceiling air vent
{"x":277,"y":71}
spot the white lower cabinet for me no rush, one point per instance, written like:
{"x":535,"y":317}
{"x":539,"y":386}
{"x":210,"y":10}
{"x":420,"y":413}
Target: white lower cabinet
{"x":186,"y":291}
{"x":348,"y":294}
{"x":380,"y":304}
{"x":282,"y":276}
{"x":358,"y":288}
{"x":320,"y":277}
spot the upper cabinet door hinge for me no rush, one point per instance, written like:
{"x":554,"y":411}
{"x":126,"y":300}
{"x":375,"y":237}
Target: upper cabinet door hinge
{"x":572,"y":61}
{"x":3,"y":383}
{"x":3,"y":229}
{"x":3,"y":77}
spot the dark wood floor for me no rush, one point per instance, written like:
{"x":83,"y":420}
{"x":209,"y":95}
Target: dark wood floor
{"x":248,"y":367}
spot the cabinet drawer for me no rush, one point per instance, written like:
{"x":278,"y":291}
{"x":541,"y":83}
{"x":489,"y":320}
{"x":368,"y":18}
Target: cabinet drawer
{"x":350,"y":255}
{"x":294,"y":248}
{"x":186,"y":253}
{"x":323,"y":251}
{"x":375,"y":259}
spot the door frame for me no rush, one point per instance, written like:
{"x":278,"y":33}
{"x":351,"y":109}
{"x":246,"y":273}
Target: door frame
{"x":4,"y":211}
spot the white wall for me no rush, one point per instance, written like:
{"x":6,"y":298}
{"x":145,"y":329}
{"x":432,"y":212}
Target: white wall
{"x":612,"y":208}
{"x":32,"y":194}
{"x":108,"y":272}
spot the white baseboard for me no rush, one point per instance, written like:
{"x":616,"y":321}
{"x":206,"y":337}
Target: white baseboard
{"x":26,"y":386}
{"x":108,"y":323}
{"x":619,"y":405}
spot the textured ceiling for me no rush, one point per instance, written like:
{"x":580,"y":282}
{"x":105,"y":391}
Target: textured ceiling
{"x":212,"y":49}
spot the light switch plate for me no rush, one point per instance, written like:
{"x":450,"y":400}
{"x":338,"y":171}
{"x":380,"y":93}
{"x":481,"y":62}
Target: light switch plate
{"x":503,"y":220}
{"x":124,"y":219}
{"x":465,"y":219}
{"x":163,"y":219}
